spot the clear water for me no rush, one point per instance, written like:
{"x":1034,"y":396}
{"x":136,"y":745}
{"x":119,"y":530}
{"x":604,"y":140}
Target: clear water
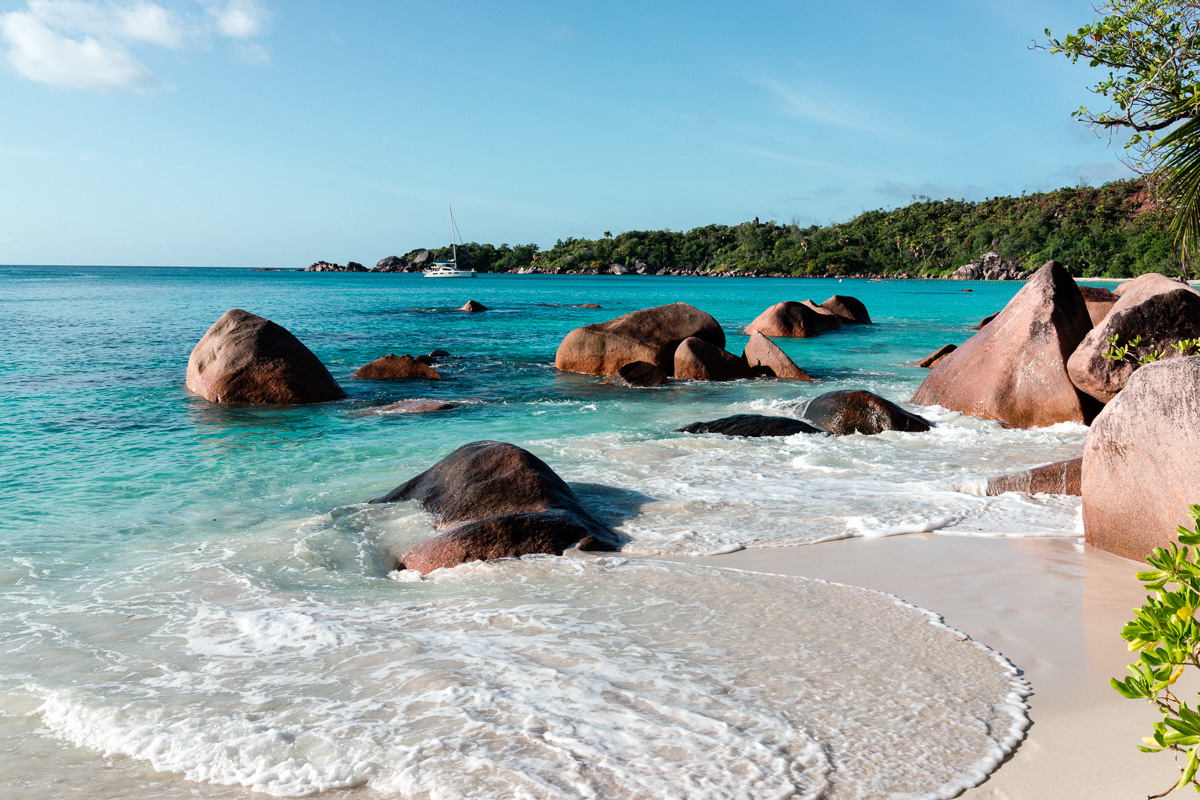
{"x":195,"y":598}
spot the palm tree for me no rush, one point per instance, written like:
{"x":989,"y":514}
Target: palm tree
{"x":1181,"y":167}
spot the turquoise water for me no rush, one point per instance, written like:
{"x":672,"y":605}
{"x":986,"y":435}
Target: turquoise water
{"x":159,"y":553}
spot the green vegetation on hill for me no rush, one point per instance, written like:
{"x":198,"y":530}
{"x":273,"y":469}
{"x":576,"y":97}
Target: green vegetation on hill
{"x":1114,"y":230}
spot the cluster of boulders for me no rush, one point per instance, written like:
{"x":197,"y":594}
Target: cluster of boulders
{"x":326,"y":266}
{"x":646,"y":347}
{"x":805,"y":319}
{"x":990,"y":267}
{"x":415,"y":261}
{"x":836,"y":413}
{"x":1046,"y":358}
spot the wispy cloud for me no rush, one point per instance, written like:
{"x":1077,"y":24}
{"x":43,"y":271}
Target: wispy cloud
{"x":815,"y":103}
{"x":88,"y":44}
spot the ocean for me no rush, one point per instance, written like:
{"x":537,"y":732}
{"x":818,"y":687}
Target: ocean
{"x":196,"y":600}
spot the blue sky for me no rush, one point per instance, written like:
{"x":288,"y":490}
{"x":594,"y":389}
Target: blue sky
{"x":263,"y":133}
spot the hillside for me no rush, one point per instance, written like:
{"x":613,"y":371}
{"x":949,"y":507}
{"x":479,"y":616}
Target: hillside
{"x":1109,"y":231}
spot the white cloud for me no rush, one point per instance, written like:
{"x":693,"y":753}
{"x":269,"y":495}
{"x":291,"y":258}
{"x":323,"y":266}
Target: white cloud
{"x":40,"y":54}
{"x":87,"y":44}
{"x":814,"y":104}
{"x":239,"y":19}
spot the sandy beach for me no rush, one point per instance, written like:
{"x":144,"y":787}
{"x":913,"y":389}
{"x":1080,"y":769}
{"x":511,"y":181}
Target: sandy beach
{"x":1054,"y":607}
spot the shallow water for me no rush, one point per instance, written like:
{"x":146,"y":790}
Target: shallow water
{"x":196,"y":598}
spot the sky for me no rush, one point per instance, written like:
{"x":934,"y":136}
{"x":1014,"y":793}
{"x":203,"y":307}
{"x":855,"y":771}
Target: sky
{"x":264,"y":133}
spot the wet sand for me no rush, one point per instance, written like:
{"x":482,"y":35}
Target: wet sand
{"x":1054,"y":607}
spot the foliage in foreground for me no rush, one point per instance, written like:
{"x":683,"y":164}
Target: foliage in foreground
{"x":1165,"y":634}
{"x":1114,"y":230}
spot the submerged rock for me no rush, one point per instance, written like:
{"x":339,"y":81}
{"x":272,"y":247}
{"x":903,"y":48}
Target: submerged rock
{"x":244,"y":358}
{"x":651,"y":335}
{"x":1139,"y":461}
{"x":638,"y":374}
{"x":933,"y":358}
{"x":392,"y":367}
{"x":496,"y":500}
{"x":439,"y":354}
{"x":846,"y":412}
{"x":1160,"y":310}
{"x":1061,"y":477}
{"x":752,"y":425}
{"x":765,"y":358}
{"x":1014,"y":369}
{"x":416,"y":406}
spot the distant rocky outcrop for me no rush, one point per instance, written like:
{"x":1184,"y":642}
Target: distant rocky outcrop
{"x":473,"y":307}
{"x":1139,"y":461}
{"x":1160,"y":310}
{"x":651,"y":335}
{"x":244,"y":358}
{"x":1061,"y":477}
{"x":752,"y":425}
{"x":933,"y":358}
{"x":1014,"y":369}
{"x":392,"y":367}
{"x":846,"y":412}
{"x":496,"y":500}
{"x":764,"y":357}
{"x":325,"y":266}
{"x":991,"y":267}
{"x":638,"y":374}
{"x":412,"y":261}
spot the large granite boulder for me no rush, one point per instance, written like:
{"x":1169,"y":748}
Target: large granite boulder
{"x":933,"y":358}
{"x":846,"y":412}
{"x":850,"y":309}
{"x":395,"y":368}
{"x":638,"y":374}
{"x":389,"y":264}
{"x":791,"y":319}
{"x":765,"y":358}
{"x":1061,"y":477}
{"x":751,"y":425}
{"x":1099,"y":302}
{"x":651,"y":335}
{"x":1139,"y":462}
{"x":244,"y":358}
{"x":828,"y":320}
{"x":1160,"y":310}
{"x":1014,"y":369}
{"x":496,"y":500}
{"x":697,"y":360}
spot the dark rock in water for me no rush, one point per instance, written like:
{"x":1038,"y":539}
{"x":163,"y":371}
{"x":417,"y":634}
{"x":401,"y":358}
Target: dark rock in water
{"x":791,"y":319}
{"x":936,"y":356}
{"x":1014,"y":369}
{"x":1099,"y":302}
{"x":588,"y":305}
{"x":651,"y":334}
{"x":1158,"y":309}
{"x":439,"y":354}
{"x":850,"y":309}
{"x":638,"y":374}
{"x":496,"y":500}
{"x":1061,"y":477}
{"x":417,"y":406}
{"x":472,"y":306}
{"x":765,"y":358}
{"x":697,"y":360}
{"x":244,"y":358}
{"x":752,"y":425}
{"x":354,"y":266}
{"x":828,"y":320}
{"x":846,"y":412}
{"x":393,"y":367}
{"x":983,"y":322}
{"x":428,"y":360}
{"x":1139,"y":461}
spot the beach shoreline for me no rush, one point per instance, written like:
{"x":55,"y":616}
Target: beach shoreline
{"x":1053,"y":607}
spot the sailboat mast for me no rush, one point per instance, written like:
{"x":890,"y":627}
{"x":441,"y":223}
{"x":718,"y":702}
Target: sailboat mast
{"x":453,"y":244}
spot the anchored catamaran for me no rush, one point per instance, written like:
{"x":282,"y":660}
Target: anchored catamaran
{"x":450,"y":269}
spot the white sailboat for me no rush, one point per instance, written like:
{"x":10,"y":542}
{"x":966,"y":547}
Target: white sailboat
{"x":449,"y":269}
